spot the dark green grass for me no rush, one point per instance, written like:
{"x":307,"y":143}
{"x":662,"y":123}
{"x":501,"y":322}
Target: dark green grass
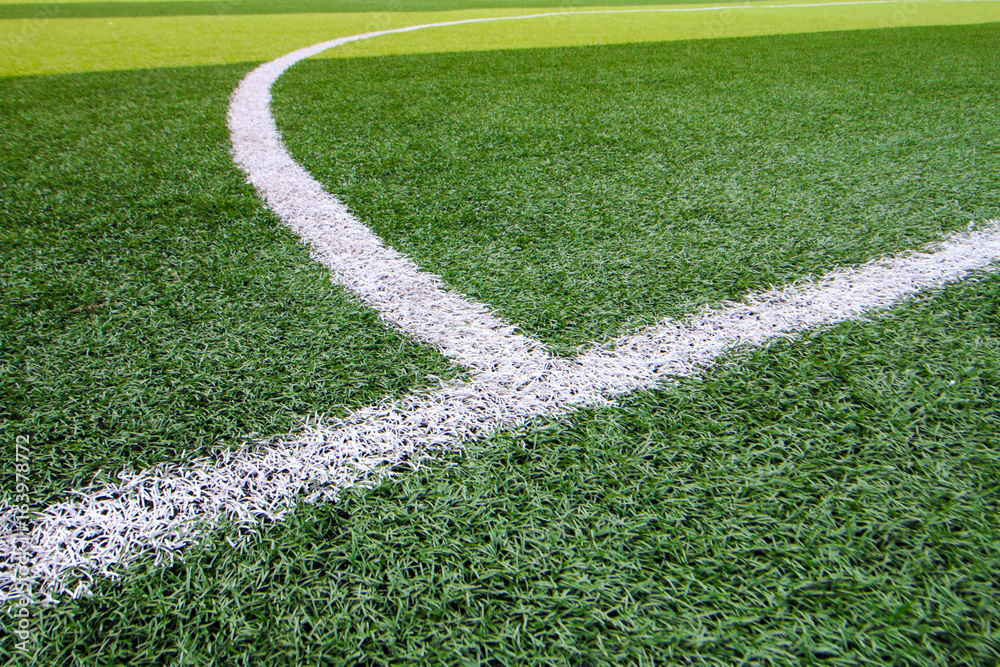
{"x":150,"y":305}
{"x":825,"y":501}
{"x":211,"y":7}
{"x":581,"y":191}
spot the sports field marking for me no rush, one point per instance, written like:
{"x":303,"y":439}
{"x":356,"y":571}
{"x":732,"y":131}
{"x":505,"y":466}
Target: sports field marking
{"x":409,"y":298}
{"x":390,"y":282}
{"x":158,"y":511}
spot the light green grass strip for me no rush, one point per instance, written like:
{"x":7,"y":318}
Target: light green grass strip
{"x":51,"y":46}
{"x":644,"y":25}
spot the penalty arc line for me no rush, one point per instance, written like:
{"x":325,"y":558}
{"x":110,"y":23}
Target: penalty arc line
{"x":161,"y":510}
{"x":413,"y":300}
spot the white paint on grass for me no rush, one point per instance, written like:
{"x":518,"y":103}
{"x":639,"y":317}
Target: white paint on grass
{"x":159,"y":511}
{"x":103,"y":528}
{"x":411,"y":299}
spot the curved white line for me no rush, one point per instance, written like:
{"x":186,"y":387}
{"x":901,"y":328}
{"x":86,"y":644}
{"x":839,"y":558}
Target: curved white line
{"x":159,"y":511}
{"x":409,"y":298}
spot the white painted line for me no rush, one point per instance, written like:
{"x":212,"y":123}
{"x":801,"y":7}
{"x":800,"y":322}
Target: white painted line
{"x":102,"y":529}
{"x":390,"y":282}
{"x":159,"y":511}
{"x":387,"y":280}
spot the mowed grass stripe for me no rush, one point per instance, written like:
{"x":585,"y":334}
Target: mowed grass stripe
{"x":584,"y":191}
{"x":152,"y":308}
{"x":830,"y":500}
{"x":52,"y":45}
{"x":674,"y":24}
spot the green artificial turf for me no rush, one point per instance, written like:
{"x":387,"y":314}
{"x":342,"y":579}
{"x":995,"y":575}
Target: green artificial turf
{"x":150,"y":304}
{"x":584,"y":191}
{"x":827,"y":501}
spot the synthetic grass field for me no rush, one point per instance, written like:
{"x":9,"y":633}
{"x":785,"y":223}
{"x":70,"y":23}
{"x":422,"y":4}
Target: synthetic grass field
{"x":831,"y":499}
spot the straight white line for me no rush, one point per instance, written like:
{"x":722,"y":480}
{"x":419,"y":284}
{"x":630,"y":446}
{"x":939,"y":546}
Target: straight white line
{"x":161,"y":510}
{"x":156,"y":512}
